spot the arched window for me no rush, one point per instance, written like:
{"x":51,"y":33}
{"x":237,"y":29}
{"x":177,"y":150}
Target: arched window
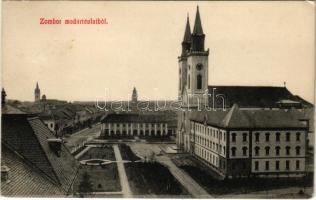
{"x":288,"y":136}
{"x":199,"y":81}
{"x":233,"y":151}
{"x":267,"y":137}
{"x":298,"y":136}
{"x":244,"y":151}
{"x":233,"y":137}
{"x":298,"y":150}
{"x":244,"y":137}
{"x":267,"y":150}
{"x":277,"y":137}
{"x":257,"y":149}
{"x":189,"y":81}
{"x":277,"y":150}
{"x":257,"y":136}
{"x":288,"y":149}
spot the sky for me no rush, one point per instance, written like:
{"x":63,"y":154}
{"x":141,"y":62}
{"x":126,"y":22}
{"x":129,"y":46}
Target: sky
{"x":250,"y":43}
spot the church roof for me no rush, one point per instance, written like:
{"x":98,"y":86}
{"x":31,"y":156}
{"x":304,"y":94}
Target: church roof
{"x":250,"y":119}
{"x":27,"y":135}
{"x":253,"y":96}
{"x":197,"y":30}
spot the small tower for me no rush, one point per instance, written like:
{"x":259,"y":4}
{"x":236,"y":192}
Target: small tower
{"x":3,"y":96}
{"x":37,"y":93}
{"x":134,"y":96}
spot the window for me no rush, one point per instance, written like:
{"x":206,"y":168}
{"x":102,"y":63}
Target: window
{"x":267,"y":151}
{"x":199,"y":67}
{"x":288,"y":137}
{"x":234,"y":151}
{"x":267,"y":137}
{"x":220,"y":149}
{"x":287,"y":165}
{"x":298,"y":136}
{"x":244,"y":151}
{"x":189,"y":81}
{"x":224,"y":150}
{"x":256,"y":165}
{"x":257,"y":137}
{"x":257,"y":149}
{"x":277,"y":137}
{"x":267,"y":165}
{"x":244,"y":137}
{"x":288,"y":149}
{"x":277,"y":150}
{"x":199,"y":81}
{"x":277,"y":165}
{"x":233,"y":137}
{"x":298,"y":150}
{"x":297,"y":164}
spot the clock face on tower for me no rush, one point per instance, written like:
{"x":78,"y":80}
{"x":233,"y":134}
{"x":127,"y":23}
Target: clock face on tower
{"x":199,"y":67}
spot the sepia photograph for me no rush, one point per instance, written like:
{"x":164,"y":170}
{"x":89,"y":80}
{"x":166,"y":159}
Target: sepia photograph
{"x":158,"y":99}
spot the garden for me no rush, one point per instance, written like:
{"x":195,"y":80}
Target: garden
{"x":150,"y":178}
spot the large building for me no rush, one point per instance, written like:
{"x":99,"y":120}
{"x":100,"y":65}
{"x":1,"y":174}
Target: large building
{"x":237,"y":130}
{"x":160,"y":124}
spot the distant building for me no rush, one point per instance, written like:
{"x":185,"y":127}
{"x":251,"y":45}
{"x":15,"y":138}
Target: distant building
{"x":37,"y":93}
{"x":141,"y":125}
{"x":35,"y":163}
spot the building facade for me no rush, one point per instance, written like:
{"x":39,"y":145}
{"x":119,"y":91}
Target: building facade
{"x":238,"y":143}
{"x":140,"y":125}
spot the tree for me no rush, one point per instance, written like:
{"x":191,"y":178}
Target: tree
{"x":85,"y":186}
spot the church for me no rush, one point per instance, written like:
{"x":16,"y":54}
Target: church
{"x":237,"y":131}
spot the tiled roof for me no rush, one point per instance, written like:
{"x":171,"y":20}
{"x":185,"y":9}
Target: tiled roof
{"x":27,"y":135}
{"x":240,"y":118}
{"x":253,"y":96}
{"x":25,"y":181}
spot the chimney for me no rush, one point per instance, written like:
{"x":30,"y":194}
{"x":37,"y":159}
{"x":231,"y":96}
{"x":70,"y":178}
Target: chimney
{"x":5,"y":173}
{"x":55,"y":145}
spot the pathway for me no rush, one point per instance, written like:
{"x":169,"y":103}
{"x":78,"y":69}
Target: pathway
{"x":122,"y":173}
{"x":188,"y":183}
{"x":145,"y":150}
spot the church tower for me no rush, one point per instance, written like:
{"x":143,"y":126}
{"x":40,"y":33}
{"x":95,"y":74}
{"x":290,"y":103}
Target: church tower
{"x":193,"y":64}
{"x":197,"y":66}
{"x":37,"y":93}
{"x":193,"y":79}
{"x":134,"y":95}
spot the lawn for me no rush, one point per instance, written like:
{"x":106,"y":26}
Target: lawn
{"x":150,"y":178}
{"x":104,"y":178}
{"x":106,"y":152}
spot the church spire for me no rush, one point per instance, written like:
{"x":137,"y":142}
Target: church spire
{"x":186,"y":44}
{"x":37,"y":88}
{"x":187,"y":33}
{"x":198,"y":37}
{"x":198,"y":30}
